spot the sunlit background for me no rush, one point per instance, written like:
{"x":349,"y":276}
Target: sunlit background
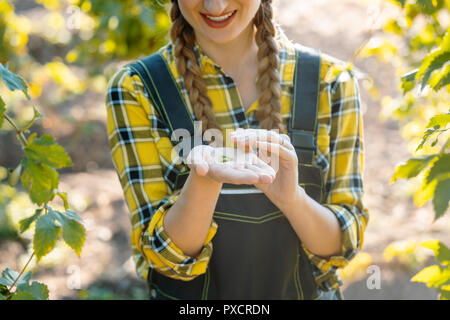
{"x":68,"y":50}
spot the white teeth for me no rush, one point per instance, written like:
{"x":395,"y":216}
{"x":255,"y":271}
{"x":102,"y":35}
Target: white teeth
{"x":220,"y":18}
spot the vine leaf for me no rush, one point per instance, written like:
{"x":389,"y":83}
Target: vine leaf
{"x":440,"y":120}
{"x":436,"y":123}
{"x":25,"y":223}
{"x":9,"y":276}
{"x":39,"y":180}
{"x":441,"y":251}
{"x":38,"y":291}
{"x":441,"y":198}
{"x":23,"y":295}
{"x":440,"y":169}
{"x":46,"y":151}
{"x":63,"y":196}
{"x":47,"y":232}
{"x":434,"y":276}
{"x":74,"y":233}
{"x":440,"y":78}
{"x":411,"y":168}
{"x":25,"y":291}
{"x":408,"y":81}
{"x":434,"y":61}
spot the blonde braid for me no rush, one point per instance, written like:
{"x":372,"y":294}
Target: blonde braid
{"x":183,"y":39}
{"x":269,"y":83}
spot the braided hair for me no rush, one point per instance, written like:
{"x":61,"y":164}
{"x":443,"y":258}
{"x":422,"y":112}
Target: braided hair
{"x":268,"y":84}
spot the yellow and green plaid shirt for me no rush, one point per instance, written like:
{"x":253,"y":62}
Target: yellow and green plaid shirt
{"x":141,"y":151}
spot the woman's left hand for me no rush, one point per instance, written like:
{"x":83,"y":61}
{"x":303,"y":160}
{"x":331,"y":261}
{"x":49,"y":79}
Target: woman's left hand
{"x":277,"y":151}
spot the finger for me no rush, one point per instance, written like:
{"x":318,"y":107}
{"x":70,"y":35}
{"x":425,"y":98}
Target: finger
{"x":287,"y":141}
{"x":274,"y":148}
{"x":196,"y":161}
{"x":266,"y":176}
{"x":265,"y":166}
{"x":250,"y":136}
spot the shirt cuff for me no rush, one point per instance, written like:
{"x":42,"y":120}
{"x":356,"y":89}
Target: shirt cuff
{"x":177,"y":264}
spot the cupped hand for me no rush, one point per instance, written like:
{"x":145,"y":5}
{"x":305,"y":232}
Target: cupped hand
{"x":229,"y":165}
{"x":277,"y":151}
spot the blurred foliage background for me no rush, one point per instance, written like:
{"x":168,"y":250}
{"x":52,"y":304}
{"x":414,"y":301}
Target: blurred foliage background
{"x":68,"y":49}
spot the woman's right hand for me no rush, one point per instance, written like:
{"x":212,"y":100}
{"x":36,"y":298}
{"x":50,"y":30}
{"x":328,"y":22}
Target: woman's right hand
{"x":239,"y":167}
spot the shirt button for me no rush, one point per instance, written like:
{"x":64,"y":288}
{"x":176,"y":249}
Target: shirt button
{"x":153,"y":293}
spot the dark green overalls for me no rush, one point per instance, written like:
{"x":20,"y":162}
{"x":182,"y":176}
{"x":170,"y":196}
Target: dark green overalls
{"x":256,"y":252}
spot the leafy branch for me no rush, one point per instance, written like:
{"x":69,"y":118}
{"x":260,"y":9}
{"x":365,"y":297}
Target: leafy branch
{"x":42,"y":156}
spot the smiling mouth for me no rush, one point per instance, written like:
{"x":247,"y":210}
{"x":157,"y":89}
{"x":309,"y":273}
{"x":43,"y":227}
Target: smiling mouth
{"x":219,"y":18}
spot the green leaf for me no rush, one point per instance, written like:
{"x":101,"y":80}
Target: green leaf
{"x":2,"y":111}
{"x":444,"y":294}
{"x":62,"y":216}
{"x":435,"y":60}
{"x":31,"y":138}
{"x":440,"y":120}
{"x":13,"y":81}
{"x":46,"y":151}
{"x":408,"y":81}
{"x":441,"y":251}
{"x":411,"y":168}
{"x":9,"y":276}
{"x":441,"y":198}
{"x":63,"y":196}
{"x":424,"y":193}
{"x":440,"y":169}
{"x":434,"y":276}
{"x":23,"y":295}
{"x":74,"y":235}
{"x":427,"y":134}
{"x":25,"y":223}
{"x":440,"y":78}
{"x":73,"y":215}
{"x":45,"y":237}
{"x":40,"y":181}
{"x":38,"y":290}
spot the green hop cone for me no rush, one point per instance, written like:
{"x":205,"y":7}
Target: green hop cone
{"x":14,"y":175}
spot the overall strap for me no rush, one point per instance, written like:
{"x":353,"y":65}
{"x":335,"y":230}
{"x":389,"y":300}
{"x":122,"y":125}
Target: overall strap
{"x":303,"y":125}
{"x":167,"y":99}
{"x":163,"y":91}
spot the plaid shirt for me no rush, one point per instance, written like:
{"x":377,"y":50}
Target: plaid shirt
{"x":141,"y":151}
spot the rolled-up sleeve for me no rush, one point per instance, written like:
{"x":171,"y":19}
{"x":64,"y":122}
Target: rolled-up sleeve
{"x":141,"y":152}
{"x":344,"y":183}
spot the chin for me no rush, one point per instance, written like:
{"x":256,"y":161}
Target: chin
{"x":220,"y":37}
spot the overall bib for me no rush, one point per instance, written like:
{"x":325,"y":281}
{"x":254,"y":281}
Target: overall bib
{"x":256,"y":252}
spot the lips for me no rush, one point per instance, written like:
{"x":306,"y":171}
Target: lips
{"x":218,"y":24}
{"x":210,"y":15}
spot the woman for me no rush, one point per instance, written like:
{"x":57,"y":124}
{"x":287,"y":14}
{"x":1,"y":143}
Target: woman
{"x":271,"y":240}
